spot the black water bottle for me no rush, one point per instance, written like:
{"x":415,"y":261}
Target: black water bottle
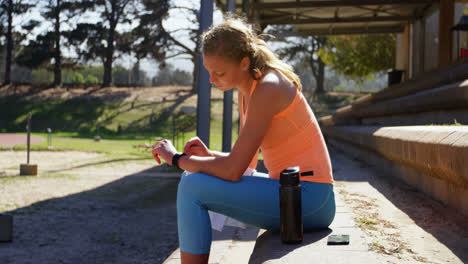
{"x":290,"y":206}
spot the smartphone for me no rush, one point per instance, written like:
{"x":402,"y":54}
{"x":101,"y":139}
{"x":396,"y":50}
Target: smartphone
{"x":338,"y":240}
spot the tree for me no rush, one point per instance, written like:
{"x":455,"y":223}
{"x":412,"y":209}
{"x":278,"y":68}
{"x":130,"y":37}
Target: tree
{"x":8,"y":8}
{"x":300,"y":50}
{"x":37,"y":53}
{"x":176,"y":48}
{"x":359,"y":56}
{"x":52,"y":11}
{"x":306,"y":48}
{"x":47,"y":45}
{"x":102,"y":40}
{"x":170,"y":76}
{"x":148,"y":39}
{"x":96,"y":40}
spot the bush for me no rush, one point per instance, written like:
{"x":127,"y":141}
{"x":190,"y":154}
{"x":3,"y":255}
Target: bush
{"x":91,"y":79}
{"x":77,"y":78}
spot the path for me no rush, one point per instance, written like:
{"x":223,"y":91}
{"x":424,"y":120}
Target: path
{"x":9,"y":139}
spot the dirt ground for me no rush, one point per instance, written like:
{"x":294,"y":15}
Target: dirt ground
{"x":80,"y":210}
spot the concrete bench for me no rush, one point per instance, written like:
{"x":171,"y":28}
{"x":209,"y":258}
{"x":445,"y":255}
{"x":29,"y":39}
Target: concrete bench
{"x":254,"y":246}
{"x":433,"y":159}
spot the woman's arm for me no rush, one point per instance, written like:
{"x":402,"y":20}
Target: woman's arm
{"x":196,"y":147}
{"x":260,"y":114}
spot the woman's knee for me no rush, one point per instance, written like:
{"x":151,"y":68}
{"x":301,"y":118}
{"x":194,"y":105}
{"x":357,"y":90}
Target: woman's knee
{"x":191,"y":183}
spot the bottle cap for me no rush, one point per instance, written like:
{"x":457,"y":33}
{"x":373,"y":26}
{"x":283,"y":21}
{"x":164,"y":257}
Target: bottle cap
{"x":290,"y":176}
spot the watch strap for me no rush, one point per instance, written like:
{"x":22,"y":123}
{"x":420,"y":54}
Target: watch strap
{"x":175,"y":159}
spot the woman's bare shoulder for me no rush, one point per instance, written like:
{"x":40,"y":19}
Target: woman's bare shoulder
{"x":274,"y":86}
{"x":275,"y":80}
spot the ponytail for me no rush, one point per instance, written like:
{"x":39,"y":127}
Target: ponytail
{"x":233,"y":39}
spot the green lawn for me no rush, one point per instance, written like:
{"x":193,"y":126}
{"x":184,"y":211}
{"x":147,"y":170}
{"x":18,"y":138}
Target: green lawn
{"x":121,"y":124}
{"x":117,"y":145}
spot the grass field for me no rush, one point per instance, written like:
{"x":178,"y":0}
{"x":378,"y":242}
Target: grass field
{"x":122,"y":118}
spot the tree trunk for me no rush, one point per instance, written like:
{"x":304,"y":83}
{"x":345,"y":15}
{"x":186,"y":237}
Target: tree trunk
{"x":58,"y":59}
{"x":107,"y":80}
{"x":195,"y":74}
{"x":9,"y":48}
{"x":320,"y":78}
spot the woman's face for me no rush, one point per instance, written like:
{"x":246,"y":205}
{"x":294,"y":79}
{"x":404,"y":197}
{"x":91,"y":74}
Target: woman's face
{"x":224,"y":73}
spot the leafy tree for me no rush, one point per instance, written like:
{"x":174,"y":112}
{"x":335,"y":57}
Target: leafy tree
{"x":176,"y":48}
{"x":134,"y":76}
{"x":302,"y":50}
{"x":91,"y":79}
{"x":359,"y":56}
{"x":181,"y":77}
{"x":52,"y":11}
{"x":96,"y":41}
{"x":170,"y":76}
{"x":8,"y":9}
{"x":148,"y":39}
{"x":164,"y":76}
{"x":37,"y":52}
{"x":40,"y":76}
{"x":305,"y":49}
{"x":102,"y":40}
{"x":77,"y":78}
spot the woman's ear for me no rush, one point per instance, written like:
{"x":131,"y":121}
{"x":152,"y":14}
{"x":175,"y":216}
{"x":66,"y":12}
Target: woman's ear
{"x":245,"y":64}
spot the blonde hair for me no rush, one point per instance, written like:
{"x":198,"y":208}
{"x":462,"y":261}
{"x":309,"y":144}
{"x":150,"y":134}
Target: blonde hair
{"x":234,"y":39}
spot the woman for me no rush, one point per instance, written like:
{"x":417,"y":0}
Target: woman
{"x":276,"y":118}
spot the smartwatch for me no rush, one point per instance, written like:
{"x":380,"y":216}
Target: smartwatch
{"x":175,"y":159}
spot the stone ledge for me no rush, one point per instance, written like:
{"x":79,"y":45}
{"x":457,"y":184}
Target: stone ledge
{"x":431,"y":104}
{"x":449,"y":96}
{"x":431,"y":158}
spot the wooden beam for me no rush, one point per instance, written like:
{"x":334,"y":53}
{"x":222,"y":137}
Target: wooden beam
{"x":349,"y":31}
{"x":338,"y":3}
{"x":291,"y":20}
{"x":447,"y":9}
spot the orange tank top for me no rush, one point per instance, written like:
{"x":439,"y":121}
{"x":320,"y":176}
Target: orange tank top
{"x":293,"y":139}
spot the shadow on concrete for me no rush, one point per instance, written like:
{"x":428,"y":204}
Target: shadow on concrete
{"x":445,"y":224}
{"x":101,"y":162}
{"x":269,"y":245}
{"x":129,"y":220}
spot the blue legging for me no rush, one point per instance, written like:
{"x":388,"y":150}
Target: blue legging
{"x":253,"y":200}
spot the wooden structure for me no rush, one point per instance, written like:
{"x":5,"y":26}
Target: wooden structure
{"x":416,"y":51}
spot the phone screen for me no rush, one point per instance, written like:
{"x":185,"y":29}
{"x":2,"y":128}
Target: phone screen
{"x":338,"y":240}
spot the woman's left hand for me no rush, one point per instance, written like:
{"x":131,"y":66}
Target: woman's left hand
{"x":165,"y":150}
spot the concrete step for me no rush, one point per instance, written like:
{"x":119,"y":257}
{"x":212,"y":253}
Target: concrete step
{"x":270,"y":250}
{"x":232,"y":245}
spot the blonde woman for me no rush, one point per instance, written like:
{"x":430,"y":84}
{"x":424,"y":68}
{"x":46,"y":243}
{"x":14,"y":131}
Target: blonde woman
{"x":275,"y":118}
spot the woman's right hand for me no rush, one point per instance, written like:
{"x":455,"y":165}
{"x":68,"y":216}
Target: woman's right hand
{"x":196,"y":147}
